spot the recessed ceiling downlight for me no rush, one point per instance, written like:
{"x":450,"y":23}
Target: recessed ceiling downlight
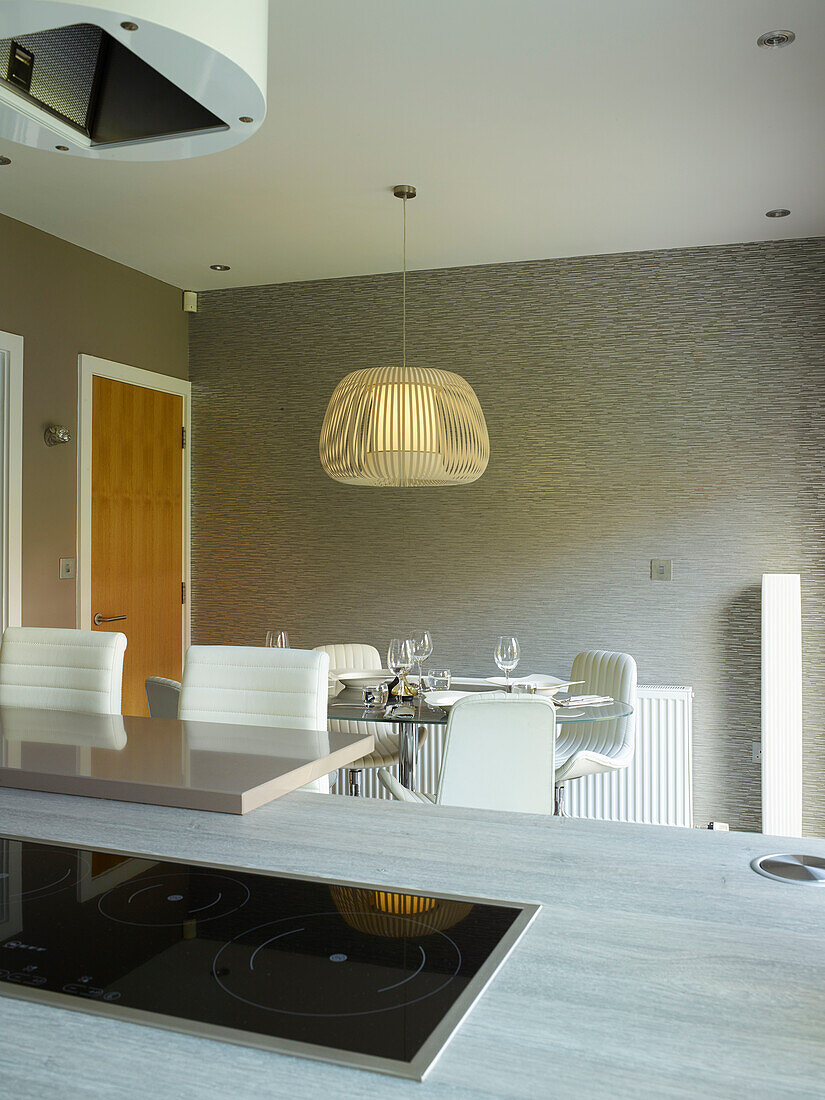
{"x":779,"y":212}
{"x":219,"y":267}
{"x":774,"y":40}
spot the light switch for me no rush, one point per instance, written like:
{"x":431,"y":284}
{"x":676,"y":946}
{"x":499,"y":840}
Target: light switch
{"x":67,"y":569}
{"x":661,"y":569}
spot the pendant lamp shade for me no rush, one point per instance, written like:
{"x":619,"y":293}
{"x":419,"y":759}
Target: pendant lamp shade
{"x":404,"y":426}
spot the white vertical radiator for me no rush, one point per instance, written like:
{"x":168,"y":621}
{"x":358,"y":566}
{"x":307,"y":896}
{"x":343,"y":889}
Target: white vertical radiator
{"x":657,"y":787}
{"x":782,"y":704}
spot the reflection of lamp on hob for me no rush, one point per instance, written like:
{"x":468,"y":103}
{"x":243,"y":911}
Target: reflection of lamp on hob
{"x":387,"y":913}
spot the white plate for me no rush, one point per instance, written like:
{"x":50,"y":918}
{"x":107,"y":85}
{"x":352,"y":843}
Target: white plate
{"x":364,"y":677}
{"x":445,"y":699}
{"x":546,"y":685}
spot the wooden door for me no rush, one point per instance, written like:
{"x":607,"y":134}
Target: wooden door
{"x":137,"y":528}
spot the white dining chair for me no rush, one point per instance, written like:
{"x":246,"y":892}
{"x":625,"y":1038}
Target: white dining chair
{"x":256,"y":686}
{"x":358,"y":657}
{"x":62,"y":669}
{"x":586,"y":748}
{"x":354,"y":656}
{"x":498,"y":755}
{"x":162,"y":696}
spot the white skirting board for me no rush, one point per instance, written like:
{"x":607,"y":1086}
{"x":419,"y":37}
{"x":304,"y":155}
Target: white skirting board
{"x":657,"y":787}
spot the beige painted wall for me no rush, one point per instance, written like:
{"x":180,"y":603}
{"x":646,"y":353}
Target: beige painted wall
{"x":63,"y":301}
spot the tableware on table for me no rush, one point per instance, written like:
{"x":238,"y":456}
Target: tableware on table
{"x":445,"y":699}
{"x":401,"y":710}
{"x":363,"y":677}
{"x":507,"y":655}
{"x":376,"y":695}
{"x":422,"y":647}
{"x":469,"y":681}
{"x":400,"y":660}
{"x":277,"y":638}
{"x":583,"y":701}
{"x":544,"y":685}
{"x":438,"y":679}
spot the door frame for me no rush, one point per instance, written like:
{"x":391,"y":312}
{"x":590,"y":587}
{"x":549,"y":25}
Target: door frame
{"x":88,"y":368}
{"x":11,"y":470}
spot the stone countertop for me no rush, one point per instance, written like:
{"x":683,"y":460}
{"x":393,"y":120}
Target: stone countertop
{"x":660,"y":964}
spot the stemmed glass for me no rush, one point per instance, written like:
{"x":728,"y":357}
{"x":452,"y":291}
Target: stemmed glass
{"x":278,"y":638}
{"x":422,"y":647}
{"x":400,"y":660}
{"x":507,"y":656}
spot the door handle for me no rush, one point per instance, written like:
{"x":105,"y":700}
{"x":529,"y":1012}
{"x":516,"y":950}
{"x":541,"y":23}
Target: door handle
{"x":104,"y":619}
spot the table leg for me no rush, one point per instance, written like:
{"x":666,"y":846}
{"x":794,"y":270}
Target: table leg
{"x":408,"y":751}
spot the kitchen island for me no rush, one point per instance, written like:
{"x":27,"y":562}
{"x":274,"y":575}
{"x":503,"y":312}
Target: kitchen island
{"x":659,"y":965}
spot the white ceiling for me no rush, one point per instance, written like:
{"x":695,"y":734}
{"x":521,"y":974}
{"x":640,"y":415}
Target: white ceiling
{"x":532,"y":129}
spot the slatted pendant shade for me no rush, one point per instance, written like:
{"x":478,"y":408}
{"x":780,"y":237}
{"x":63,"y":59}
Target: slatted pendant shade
{"x":404,"y":426}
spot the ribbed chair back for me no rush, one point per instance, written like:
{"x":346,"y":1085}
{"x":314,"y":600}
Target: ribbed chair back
{"x":62,"y":669}
{"x":255,"y":686}
{"x":587,"y":748}
{"x":350,"y":655}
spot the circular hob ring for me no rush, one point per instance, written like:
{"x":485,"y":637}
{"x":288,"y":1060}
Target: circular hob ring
{"x":169,"y":900}
{"x":340,"y":978}
{"x":46,"y":868}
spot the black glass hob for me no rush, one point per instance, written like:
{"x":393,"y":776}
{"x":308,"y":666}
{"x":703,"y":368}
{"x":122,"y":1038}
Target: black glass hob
{"x":347,"y":973}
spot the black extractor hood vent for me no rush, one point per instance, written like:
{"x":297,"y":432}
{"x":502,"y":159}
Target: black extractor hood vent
{"x":94,"y":84}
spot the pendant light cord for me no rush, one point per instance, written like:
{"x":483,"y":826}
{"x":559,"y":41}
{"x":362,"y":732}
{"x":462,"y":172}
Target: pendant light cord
{"x":404,"y":291}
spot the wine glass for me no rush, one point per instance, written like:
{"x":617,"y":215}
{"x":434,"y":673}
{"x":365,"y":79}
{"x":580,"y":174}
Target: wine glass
{"x":507,"y":656}
{"x":422,"y":647}
{"x":399,"y":660}
{"x":278,"y":638}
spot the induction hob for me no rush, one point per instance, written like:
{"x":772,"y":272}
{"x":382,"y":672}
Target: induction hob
{"x":359,"y":975}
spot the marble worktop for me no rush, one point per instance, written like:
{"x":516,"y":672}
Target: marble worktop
{"x":660,"y":964}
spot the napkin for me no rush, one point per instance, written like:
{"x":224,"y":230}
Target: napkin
{"x":583,"y":701}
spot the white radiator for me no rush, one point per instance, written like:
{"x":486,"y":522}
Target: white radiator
{"x":781,"y":704}
{"x":657,"y":787}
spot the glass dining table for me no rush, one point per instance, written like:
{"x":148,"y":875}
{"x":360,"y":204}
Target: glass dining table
{"x":411,"y":715}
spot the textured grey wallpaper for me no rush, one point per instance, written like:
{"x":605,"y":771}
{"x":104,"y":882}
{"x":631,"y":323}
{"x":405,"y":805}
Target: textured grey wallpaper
{"x":645,"y":405}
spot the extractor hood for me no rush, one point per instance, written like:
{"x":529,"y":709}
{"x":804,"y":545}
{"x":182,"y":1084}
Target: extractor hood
{"x":159,"y":81}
